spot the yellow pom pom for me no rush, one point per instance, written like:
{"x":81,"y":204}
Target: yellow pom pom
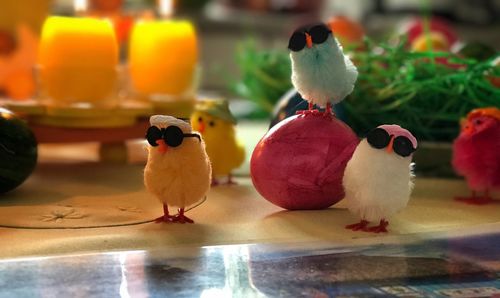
{"x":436,"y":40}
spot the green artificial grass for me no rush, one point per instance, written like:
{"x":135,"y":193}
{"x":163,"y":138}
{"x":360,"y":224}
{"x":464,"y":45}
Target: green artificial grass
{"x":413,"y":90}
{"x":395,"y":86}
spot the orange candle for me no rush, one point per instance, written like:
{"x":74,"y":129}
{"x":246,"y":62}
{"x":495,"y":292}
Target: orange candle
{"x":78,"y":59}
{"x":163,"y":57}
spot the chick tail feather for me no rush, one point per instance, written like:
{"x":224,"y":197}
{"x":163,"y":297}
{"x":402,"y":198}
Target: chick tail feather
{"x":351,"y":74}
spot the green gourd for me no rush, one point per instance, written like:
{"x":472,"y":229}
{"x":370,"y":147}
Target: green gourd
{"x":18,"y":151}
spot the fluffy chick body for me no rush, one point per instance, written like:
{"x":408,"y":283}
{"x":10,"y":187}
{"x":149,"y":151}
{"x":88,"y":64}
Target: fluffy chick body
{"x":478,"y":160}
{"x":225,"y":151}
{"x":377,"y":184}
{"x":476,"y":151}
{"x":323,"y":74}
{"x":180,"y":177}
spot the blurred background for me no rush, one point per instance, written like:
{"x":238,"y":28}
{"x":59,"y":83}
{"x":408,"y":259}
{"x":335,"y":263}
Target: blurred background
{"x":422,"y":64}
{"x":224,"y":26}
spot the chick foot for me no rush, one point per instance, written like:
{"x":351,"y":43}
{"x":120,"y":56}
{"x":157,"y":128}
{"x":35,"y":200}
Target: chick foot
{"x":358,"y":226}
{"x":215,"y":182}
{"x":381,"y":228}
{"x":230,"y":180}
{"x":165,"y":217}
{"x":310,"y":111}
{"x":475,"y":200}
{"x":328,"y":111}
{"x":181,"y":218}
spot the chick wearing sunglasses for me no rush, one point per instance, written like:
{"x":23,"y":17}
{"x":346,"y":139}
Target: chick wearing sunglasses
{"x":178,"y":171}
{"x":378,"y":179}
{"x":321,"y":73}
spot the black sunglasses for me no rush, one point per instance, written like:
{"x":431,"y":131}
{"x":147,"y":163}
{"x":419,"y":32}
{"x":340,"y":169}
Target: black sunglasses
{"x":172,"y":135}
{"x":319,"y":34}
{"x":379,"y":138}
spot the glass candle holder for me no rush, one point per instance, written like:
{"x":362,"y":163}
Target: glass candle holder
{"x":163,"y":58}
{"x":78,"y":60}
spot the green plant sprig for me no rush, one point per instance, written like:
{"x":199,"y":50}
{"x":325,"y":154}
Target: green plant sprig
{"x":265,"y":75}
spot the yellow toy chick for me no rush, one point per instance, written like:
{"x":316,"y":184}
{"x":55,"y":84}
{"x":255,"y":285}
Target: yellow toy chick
{"x":178,"y":170}
{"x":213,"y":119}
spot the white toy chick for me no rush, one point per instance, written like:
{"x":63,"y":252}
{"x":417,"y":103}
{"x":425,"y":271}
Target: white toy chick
{"x":378,"y":178}
{"x":178,"y":170}
{"x":321,"y":72}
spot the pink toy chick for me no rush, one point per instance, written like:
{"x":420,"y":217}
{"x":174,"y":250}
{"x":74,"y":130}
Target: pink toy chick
{"x":476,"y":153}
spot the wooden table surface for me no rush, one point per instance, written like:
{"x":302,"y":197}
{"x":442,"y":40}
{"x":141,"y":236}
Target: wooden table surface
{"x":74,"y":204}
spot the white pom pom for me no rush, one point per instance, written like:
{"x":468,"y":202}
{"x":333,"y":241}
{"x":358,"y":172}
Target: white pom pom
{"x":163,"y":121}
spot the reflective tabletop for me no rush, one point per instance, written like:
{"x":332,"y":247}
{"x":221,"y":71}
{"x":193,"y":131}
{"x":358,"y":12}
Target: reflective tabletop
{"x":429,"y":267}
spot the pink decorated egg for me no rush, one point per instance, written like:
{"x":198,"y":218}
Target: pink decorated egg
{"x":300,"y":162}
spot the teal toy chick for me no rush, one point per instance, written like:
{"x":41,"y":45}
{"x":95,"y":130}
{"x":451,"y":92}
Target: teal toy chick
{"x":213,"y":119}
{"x":321,"y":73}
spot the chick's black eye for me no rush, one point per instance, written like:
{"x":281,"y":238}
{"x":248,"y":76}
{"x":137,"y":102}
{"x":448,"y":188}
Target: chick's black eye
{"x":378,"y":138}
{"x":211,"y":123}
{"x":173,"y":136}
{"x":152,"y":135}
{"x":200,"y":119}
{"x":478,"y":122}
{"x":297,"y":41}
{"x":319,"y":33}
{"x":403,"y":146}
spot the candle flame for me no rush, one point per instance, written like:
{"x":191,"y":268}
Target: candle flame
{"x":166,"y":8}
{"x":80,"y":5}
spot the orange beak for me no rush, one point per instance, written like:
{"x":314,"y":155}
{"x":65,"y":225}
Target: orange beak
{"x":468,"y":129}
{"x":162,"y":146}
{"x":309,"y":41}
{"x":201,"y":128}
{"x":389,"y":147}
{"x":463,"y":123}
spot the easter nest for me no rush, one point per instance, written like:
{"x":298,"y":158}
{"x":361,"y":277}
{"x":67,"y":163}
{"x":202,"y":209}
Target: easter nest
{"x":426,"y":92}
